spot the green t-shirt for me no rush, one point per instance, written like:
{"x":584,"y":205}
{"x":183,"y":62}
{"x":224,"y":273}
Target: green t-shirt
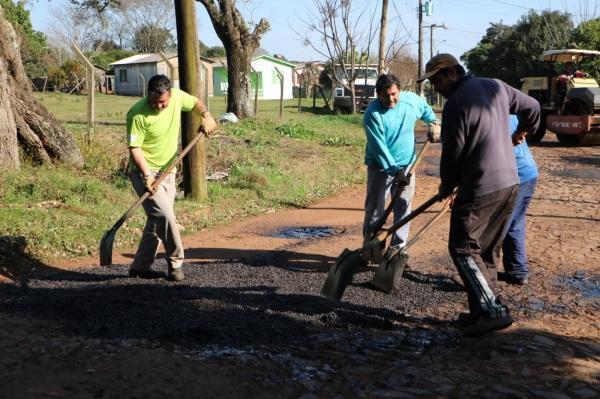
{"x":157,"y":133}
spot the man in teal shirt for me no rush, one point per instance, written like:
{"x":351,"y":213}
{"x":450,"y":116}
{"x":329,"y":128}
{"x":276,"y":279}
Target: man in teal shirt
{"x":389,"y":123}
{"x":153,"y":125}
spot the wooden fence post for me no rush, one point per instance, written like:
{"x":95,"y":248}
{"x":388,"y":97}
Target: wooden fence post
{"x":91,"y":86}
{"x":280,"y":76}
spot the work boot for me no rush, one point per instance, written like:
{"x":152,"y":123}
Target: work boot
{"x":511,"y":279}
{"x":497,"y":319}
{"x":176,"y":274}
{"x":465,"y":319}
{"x":146,"y":273}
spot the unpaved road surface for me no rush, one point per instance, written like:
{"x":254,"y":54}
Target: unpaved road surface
{"x":249,"y":321}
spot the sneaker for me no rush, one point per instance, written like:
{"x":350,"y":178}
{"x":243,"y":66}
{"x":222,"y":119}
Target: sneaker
{"x":510,"y":279}
{"x":146,"y":273}
{"x":498,"y":319}
{"x":466,"y":319}
{"x":176,"y":274}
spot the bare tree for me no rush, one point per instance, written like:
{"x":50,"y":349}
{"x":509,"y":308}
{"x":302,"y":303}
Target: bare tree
{"x":24,"y":123}
{"x":240,"y":41}
{"x":344,"y":36}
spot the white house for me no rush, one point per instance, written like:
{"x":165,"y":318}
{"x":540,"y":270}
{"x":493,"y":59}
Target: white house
{"x":265,"y":77}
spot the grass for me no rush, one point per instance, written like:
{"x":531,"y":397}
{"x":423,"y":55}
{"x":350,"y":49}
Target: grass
{"x":271,"y":163}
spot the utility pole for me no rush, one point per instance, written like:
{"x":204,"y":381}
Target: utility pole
{"x":382,"y":33}
{"x":420,"y":57}
{"x":194,"y":165}
{"x":431,"y":36}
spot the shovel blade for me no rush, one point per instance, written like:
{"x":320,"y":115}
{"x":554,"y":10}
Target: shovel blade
{"x":106,"y":247}
{"x":373,"y":251}
{"x":340,"y":274}
{"x":388,"y":275}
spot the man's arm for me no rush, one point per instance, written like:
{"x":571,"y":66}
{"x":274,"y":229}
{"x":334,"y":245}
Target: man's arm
{"x":140,"y":162}
{"x":208,"y":122}
{"x":526,"y":108}
{"x":453,"y":142}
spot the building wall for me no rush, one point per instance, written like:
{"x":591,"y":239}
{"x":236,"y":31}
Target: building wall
{"x":271,"y":86}
{"x":268,"y":83}
{"x":134,"y":85}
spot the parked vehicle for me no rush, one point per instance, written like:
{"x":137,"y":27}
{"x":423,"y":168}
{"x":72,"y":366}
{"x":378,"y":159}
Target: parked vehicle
{"x":570,"y":103}
{"x":364,"y":88}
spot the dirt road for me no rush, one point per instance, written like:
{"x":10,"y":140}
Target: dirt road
{"x":249,"y":322}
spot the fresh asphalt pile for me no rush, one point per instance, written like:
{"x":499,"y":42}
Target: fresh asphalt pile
{"x":260,"y":300}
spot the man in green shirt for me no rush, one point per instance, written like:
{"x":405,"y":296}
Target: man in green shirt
{"x":153,"y":125}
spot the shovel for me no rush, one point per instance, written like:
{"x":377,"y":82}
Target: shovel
{"x":341,"y":273}
{"x":389,"y":273}
{"x":106,"y":244}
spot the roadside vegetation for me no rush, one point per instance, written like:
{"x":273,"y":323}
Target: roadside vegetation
{"x":269,"y":163}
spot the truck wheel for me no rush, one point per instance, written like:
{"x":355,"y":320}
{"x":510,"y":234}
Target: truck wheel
{"x":538,"y":135}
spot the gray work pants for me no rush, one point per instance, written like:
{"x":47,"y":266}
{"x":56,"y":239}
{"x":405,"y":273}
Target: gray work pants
{"x":161,"y":225}
{"x":379,"y":188}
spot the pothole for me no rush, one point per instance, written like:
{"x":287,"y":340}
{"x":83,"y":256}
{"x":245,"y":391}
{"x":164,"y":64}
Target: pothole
{"x":307,"y":232}
{"x":587,"y":285}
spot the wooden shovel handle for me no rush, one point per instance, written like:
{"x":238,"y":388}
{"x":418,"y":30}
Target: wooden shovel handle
{"x":429,"y":224}
{"x":389,"y":231}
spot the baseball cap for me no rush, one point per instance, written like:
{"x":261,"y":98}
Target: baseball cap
{"x":438,"y":62}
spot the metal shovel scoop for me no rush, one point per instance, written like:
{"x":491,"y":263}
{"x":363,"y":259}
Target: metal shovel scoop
{"x":341,"y":273}
{"x":388,"y":275}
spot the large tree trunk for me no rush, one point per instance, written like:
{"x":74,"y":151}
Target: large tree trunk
{"x":240,"y":44}
{"x":239,"y":92}
{"x":23,"y":120}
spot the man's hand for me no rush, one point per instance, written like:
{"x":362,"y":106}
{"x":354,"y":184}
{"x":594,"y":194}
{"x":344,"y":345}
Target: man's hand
{"x":401,"y":180}
{"x":435,"y":132}
{"x":208,"y":123}
{"x":148,"y":182}
{"x":392,"y":170}
{"x":519,"y":137}
{"x":444,"y":192}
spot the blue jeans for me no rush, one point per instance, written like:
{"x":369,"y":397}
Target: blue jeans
{"x":513,"y":247}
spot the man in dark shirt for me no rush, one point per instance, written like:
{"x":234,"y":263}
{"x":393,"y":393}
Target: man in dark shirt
{"x":477,"y":158}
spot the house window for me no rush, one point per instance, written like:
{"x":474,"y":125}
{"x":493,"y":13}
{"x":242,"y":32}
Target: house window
{"x":123,"y":75}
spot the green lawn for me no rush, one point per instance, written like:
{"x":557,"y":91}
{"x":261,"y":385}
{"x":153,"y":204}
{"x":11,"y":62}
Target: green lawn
{"x":271,"y":163}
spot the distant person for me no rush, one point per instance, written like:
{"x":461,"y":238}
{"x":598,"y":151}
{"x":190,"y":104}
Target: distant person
{"x":516,"y":270}
{"x":477,"y":158}
{"x":153,"y":125}
{"x":389,"y":123}
{"x":569,"y":72}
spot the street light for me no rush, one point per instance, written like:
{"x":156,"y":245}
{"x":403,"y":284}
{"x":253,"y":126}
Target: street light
{"x":431,"y":36}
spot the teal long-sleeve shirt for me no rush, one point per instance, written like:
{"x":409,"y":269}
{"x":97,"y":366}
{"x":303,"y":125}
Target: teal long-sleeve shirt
{"x":391,"y":132}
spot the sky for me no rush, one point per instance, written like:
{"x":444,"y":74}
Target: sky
{"x":466,"y":21}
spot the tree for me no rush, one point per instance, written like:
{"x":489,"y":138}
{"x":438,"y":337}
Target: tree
{"x":215,"y":51}
{"x":587,"y":36}
{"x":33,"y":43}
{"x":24,"y":123}
{"x":347,"y":39}
{"x":511,"y":52}
{"x":151,"y":39}
{"x":239,"y":41}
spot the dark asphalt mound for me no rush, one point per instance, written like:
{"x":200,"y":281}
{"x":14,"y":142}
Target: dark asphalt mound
{"x":239,"y":303}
